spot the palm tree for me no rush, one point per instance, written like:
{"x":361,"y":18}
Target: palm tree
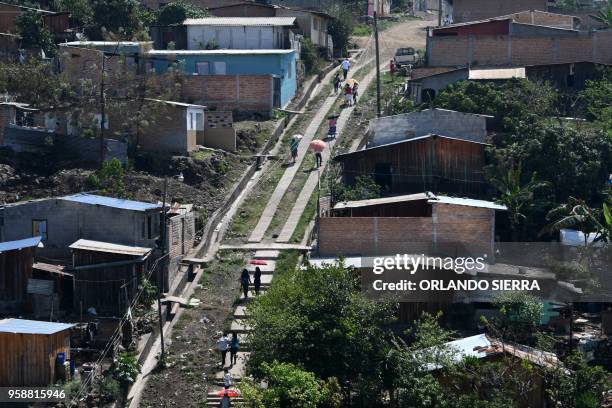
{"x":604,"y":15}
{"x":516,"y":196}
{"x":575,"y":214}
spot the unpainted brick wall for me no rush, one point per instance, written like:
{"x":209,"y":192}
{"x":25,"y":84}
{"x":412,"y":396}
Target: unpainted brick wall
{"x":229,"y":92}
{"x":532,"y":50}
{"x":470,"y":10}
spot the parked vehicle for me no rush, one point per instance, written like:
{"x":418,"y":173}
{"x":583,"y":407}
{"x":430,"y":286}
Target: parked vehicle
{"x":405,"y":56}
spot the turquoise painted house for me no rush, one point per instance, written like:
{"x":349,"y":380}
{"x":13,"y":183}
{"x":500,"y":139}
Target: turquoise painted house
{"x":281,"y":64}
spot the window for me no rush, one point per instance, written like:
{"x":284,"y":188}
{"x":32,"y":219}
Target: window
{"x":98,"y":119}
{"x":202,"y":68}
{"x":39,"y":227}
{"x":220,"y":67}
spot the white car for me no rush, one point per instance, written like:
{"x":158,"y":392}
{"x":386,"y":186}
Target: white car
{"x":405,"y":56}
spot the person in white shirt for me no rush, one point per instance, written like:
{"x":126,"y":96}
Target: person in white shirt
{"x":345,"y":67}
{"x":222,"y":345}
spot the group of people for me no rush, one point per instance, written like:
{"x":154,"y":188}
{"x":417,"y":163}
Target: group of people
{"x":350,"y":90}
{"x":245,"y":281}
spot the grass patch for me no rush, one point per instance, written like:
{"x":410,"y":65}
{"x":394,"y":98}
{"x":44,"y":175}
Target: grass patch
{"x":287,"y":261}
{"x":202,"y":155}
{"x":310,"y":212}
{"x":362,"y":30}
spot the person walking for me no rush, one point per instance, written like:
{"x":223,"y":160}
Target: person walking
{"x":355,"y":92}
{"x":337,"y":82}
{"x":319,"y":159}
{"x":227,"y":378}
{"x":257,"y":280}
{"x":345,"y":67}
{"x":234,"y":349}
{"x":348,"y":95}
{"x":392,"y":69}
{"x":222,"y":346}
{"x":245,"y":281}
{"x":225,"y":401}
{"x":293,"y":146}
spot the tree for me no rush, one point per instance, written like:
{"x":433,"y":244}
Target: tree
{"x":310,"y":57}
{"x":290,"y":386}
{"x":109,"y":179}
{"x":511,"y":103}
{"x":116,"y":20}
{"x":365,"y":188}
{"x":341,"y":27}
{"x":520,"y":316}
{"x":177,"y":12}
{"x":328,"y":332}
{"x":518,"y":197}
{"x":604,"y":15}
{"x":34,"y":82}
{"x":81,"y":12}
{"x":33,"y":32}
{"x":597,"y":100}
{"x":575,"y":214}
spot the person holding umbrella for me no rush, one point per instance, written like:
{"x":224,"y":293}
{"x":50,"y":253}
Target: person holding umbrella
{"x":245,"y":281}
{"x":257,"y":280}
{"x":225,"y":401}
{"x":318,"y":146}
{"x":293,"y":146}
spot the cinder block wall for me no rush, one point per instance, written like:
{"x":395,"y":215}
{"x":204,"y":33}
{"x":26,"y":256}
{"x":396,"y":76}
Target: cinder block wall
{"x":528,"y":50}
{"x":229,"y":92}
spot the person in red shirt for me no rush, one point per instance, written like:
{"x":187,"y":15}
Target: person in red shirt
{"x":392,"y":68}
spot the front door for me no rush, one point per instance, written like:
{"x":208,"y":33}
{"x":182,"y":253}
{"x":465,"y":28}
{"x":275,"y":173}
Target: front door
{"x":276,"y":93}
{"x":384,"y":177}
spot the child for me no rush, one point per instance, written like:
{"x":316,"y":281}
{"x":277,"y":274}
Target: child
{"x":337,"y":82}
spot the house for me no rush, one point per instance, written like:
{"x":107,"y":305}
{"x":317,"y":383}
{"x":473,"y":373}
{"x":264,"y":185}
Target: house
{"x":179,"y":130}
{"x":240,"y":33}
{"x":424,"y":88}
{"x":107,"y":275}
{"x":16,"y":260}
{"x":395,"y":128}
{"x":251,"y":80}
{"x":412,"y":224}
{"x":310,"y":23}
{"x":488,"y":349}
{"x":63,"y":220}
{"x":31,"y":351}
{"x":430,"y":162}
{"x":470,"y":10}
{"x":527,"y":38}
{"x":57,"y":23}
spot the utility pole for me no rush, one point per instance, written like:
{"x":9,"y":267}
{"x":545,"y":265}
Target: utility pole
{"x":439,"y":13}
{"x":377,"y":65}
{"x":161,"y":271}
{"x":102,"y":112}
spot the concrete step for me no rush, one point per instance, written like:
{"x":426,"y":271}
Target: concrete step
{"x":252,"y":294}
{"x":266,"y":254}
{"x":240,"y":326}
{"x":265,"y":269}
{"x":240,"y":312}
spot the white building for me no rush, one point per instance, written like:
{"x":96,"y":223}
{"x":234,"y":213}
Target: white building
{"x":248,"y":33}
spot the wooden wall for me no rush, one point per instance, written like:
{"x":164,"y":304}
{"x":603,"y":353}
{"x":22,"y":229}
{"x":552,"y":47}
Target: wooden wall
{"x":102,"y":288}
{"x":15,"y":270}
{"x":435,"y":164}
{"x":29,"y":359}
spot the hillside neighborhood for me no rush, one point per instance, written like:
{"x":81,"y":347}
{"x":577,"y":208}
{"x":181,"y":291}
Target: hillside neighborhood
{"x":306,"y":203}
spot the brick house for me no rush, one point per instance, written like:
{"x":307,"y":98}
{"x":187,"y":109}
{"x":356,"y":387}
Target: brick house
{"x":528,"y":38}
{"x":251,"y":80}
{"x":470,"y":10}
{"x":430,"y":162}
{"x":413,"y":224}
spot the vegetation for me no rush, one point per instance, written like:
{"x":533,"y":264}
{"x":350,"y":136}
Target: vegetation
{"x":33,"y":32}
{"x":125,"y":368}
{"x":310,"y":56}
{"x":604,"y":15}
{"x":176,"y":12}
{"x":109,"y":179}
{"x":333,"y":323}
{"x":116,"y":20}
{"x":365,"y":188}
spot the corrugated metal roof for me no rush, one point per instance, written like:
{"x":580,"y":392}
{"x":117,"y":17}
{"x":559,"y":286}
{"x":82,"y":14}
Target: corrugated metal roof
{"x":219,"y":52}
{"x":174,"y":103}
{"x":385,"y":200}
{"x":92,"y":199}
{"x":469,"y":202}
{"x":499,"y":73}
{"x":51,"y":268}
{"x":19,"y":244}
{"x":241,"y":21}
{"x":32,"y":326}
{"x":98,"y":246}
{"x":104,"y":43}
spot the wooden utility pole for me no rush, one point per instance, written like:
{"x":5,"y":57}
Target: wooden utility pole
{"x":377,"y":65}
{"x":439,"y":13}
{"x":161,"y":283}
{"x":102,"y":112}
